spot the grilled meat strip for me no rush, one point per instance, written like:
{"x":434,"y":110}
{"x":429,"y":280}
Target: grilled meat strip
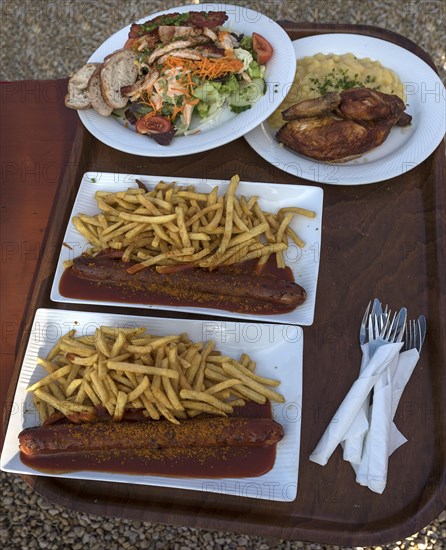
{"x":222,"y":282}
{"x":211,"y":50}
{"x":144,"y":83}
{"x":167,"y":33}
{"x":209,"y":20}
{"x":193,"y":19}
{"x":182,"y":54}
{"x":105,"y":436}
{"x":176,"y":45}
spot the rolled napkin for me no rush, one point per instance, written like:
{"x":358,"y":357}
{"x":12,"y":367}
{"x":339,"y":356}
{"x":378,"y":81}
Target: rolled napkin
{"x":354,"y":437}
{"x":407,"y":361}
{"x":352,"y":403}
{"x":372,"y":467}
{"x":372,"y":470}
{"x":383,"y":437}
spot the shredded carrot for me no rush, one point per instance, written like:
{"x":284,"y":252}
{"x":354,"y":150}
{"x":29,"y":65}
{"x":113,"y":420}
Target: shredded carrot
{"x":176,"y":111}
{"x":208,"y":68}
{"x":174,"y":62}
{"x":150,"y":114}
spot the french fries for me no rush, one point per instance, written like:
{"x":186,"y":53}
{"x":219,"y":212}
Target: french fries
{"x":167,"y":376}
{"x":171,"y":226}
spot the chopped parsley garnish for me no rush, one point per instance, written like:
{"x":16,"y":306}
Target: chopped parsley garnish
{"x":143,"y":55}
{"x":369,"y":79}
{"x":339,"y":79}
{"x":176,"y":20}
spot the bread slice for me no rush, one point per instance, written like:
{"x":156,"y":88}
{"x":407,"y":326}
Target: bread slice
{"x":77,"y":96}
{"x":95,"y":94}
{"x":117,"y":71}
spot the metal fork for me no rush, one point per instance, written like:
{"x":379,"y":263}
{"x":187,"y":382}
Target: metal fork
{"x":363,"y":328}
{"x":385,"y":329}
{"x":416,"y":332}
{"x":363,"y":331}
{"x":422,"y":331}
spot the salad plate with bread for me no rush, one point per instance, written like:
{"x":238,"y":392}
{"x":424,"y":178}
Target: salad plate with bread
{"x":184,"y":80}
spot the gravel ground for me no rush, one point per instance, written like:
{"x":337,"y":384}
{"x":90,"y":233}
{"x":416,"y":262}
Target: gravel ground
{"x":28,"y":521}
{"x":59,"y":37}
{"x":62,"y":34}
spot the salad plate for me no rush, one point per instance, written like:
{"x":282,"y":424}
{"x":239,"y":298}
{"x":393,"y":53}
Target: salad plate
{"x":277,"y":349}
{"x":225,"y":125}
{"x":404,"y":149}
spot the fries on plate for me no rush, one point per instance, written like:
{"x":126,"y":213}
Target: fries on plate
{"x":167,"y":376}
{"x":171,"y":227}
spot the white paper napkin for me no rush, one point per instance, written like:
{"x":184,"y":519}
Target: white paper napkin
{"x":354,"y":437}
{"x":407,"y":361}
{"x":376,"y":445}
{"x":383,"y":437}
{"x":353,"y":402}
{"x":372,"y":470}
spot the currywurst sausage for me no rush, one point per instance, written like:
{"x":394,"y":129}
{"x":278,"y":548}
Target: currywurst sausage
{"x":262,"y":288}
{"x":108,"y":436}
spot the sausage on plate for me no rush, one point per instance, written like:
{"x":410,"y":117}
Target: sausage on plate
{"x":107,"y":436}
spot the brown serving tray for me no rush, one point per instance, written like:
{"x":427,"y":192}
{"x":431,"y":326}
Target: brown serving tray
{"x":384,"y":240}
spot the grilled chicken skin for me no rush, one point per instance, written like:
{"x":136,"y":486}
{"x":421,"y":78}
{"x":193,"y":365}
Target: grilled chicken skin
{"x":363,"y":104}
{"x":338,"y":127}
{"x":329,"y":139}
{"x":313,"y":107}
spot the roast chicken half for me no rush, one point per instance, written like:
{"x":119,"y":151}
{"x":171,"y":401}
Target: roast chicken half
{"x":340,"y":126}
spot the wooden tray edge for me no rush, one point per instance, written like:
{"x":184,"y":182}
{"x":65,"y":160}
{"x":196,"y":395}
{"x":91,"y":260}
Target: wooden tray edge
{"x":45,"y":259}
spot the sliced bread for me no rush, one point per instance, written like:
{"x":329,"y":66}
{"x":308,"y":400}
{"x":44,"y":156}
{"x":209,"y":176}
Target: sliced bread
{"x":95,"y":94}
{"x":77,"y":96}
{"x":117,"y":71}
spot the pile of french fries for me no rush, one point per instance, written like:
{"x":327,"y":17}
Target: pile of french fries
{"x":172,"y":226}
{"x":166,"y":376}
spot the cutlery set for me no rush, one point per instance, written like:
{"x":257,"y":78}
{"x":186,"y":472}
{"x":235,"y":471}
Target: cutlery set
{"x":363,"y":423}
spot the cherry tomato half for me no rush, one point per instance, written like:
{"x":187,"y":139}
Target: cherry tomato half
{"x":150,"y":124}
{"x":262,"y":48}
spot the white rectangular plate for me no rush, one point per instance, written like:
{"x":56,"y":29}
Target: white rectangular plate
{"x":304,"y":263}
{"x":276,"y":348}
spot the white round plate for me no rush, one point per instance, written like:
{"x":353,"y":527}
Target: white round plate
{"x":280,"y":68}
{"x":404,"y":149}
